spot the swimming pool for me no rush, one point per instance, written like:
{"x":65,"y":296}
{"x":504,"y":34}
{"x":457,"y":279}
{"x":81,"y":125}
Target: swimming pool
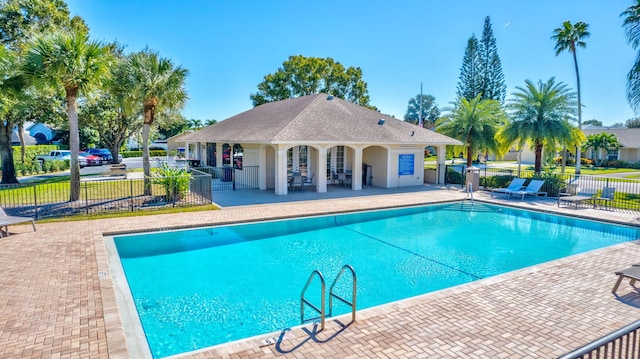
{"x":197,"y":288}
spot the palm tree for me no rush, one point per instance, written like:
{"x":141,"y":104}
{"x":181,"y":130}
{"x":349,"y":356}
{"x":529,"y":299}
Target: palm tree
{"x":159,"y":86}
{"x":539,"y":116}
{"x":475,"y":122}
{"x":71,"y":61}
{"x":568,"y":38}
{"x":631,"y":24}
{"x":601,"y":141}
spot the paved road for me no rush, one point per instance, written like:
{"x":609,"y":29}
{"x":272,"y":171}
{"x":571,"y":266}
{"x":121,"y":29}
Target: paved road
{"x":132,"y":163}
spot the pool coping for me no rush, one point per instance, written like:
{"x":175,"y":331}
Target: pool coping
{"x":134,"y":345}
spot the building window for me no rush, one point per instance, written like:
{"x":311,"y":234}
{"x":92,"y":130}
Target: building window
{"x":226,"y":155}
{"x":612,"y":155}
{"x":237,"y":156}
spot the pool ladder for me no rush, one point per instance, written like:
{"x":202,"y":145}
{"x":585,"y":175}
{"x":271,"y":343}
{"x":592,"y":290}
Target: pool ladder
{"x":321,"y":310}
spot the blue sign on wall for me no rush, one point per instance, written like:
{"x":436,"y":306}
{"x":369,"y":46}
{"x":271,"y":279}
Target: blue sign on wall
{"x":405,"y":164}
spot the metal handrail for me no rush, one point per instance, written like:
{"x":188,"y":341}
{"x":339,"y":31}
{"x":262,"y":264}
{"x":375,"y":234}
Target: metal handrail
{"x":352,"y":304}
{"x":304,"y":301}
{"x":629,"y":348}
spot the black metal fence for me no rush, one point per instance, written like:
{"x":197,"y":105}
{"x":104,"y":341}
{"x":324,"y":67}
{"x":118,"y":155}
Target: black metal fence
{"x":626,"y":196}
{"x":624,"y":343}
{"x":102,"y":196}
{"x":232,"y":179}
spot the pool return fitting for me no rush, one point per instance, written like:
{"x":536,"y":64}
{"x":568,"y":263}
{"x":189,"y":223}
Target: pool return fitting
{"x":321,"y":310}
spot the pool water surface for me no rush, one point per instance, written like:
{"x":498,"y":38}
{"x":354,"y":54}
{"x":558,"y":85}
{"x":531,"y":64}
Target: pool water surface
{"x":197,"y":288}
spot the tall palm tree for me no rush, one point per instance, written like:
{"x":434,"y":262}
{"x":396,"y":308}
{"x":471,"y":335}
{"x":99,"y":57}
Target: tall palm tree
{"x":601,"y":141}
{"x":539,"y":116}
{"x":73,"y":62}
{"x":631,"y":25}
{"x":160,"y":85}
{"x":475,"y":122}
{"x":569,"y":37}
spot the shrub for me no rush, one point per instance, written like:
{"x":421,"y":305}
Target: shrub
{"x":553,"y":183}
{"x":499,"y":181}
{"x":174,"y":180}
{"x":454,"y":176}
{"x":152,"y":153}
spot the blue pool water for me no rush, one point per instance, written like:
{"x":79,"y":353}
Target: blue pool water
{"x":197,"y":288}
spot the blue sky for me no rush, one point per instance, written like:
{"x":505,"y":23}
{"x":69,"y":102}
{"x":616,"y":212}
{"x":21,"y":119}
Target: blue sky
{"x":229,"y":46}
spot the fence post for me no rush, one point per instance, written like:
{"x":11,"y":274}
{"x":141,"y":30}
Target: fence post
{"x":131,"y":193}
{"x":35,"y":201}
{"x":86,"y":198}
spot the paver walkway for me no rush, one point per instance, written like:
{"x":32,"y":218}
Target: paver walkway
{"x":57,"y":298}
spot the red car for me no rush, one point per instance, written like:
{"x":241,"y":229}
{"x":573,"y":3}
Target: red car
{"x":92,"y":160}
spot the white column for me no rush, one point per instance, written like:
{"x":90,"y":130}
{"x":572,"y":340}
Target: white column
{"x":281,"y":172}
{"x":321,"y":170}
{"x":218,"y":154}
{"x":262,"y":168}
{"x":356,"y":174}
{"x":440,"y":163}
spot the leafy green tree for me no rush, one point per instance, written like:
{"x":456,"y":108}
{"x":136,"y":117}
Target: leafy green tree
{"x":114,"y":112}
{"x":73,"y":62}
{"x":475,"y":123}
{"x":633,"y":122}
{"x":493,"y":86}
{"x":301,"y":76}
{"x":631,"y":24}
{"x":429,"y":111}
{"x":470,"y":80}
{"x":599,"y":142}
{"x":210,"y":122}
{"x":569,"y":37}
{"x":10,"y":88}
{"x":195,"y":124}
{"x":160,"y":86}
{"x":593,"y":122}
{"x":539,"y":115}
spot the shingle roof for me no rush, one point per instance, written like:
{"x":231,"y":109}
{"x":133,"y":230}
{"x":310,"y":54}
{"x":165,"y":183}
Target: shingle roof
{"x":628,"y":137}
{"x":316,"y":119}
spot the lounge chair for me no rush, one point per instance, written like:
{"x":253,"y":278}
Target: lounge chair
{"x":296,"y":181}
{"x":6,"y":220}
{"x":633,"y":273}
{"x":606,"y":197}
{"x":515,"y":185}
{"x":532,"y":189}
{"x":577,"y":196}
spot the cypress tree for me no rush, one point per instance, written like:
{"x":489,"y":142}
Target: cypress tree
{"x":492,"y":86}
{"x":470,"y":80}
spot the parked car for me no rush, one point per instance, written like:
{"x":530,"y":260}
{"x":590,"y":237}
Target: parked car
{"x":92,"y":160}
{"x":60,"y":155}
{"x":104,"y":153}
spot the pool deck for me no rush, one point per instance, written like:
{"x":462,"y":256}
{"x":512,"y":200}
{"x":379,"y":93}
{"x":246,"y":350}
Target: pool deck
{"x":57,"y":296}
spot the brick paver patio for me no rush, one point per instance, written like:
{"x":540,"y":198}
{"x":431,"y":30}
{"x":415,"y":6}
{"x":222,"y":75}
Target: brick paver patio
{"x":57,"y":297}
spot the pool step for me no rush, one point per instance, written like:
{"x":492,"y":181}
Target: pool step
{"x":321,"y":310}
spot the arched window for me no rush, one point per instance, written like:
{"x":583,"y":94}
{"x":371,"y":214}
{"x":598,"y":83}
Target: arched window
{"x":226,"y":155}
{"x":237,"y":156}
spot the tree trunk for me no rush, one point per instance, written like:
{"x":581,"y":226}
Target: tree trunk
{"x":23,"y":149}
{"x":564,"y":159}
{"x":146,"y":165}
{"x":469,"y":154}
{"x":519,"y":158}
{"x":538,"y":162}
{"x":6,"y":154}
{"x":578,"y":153}
{"x":74,"y":145}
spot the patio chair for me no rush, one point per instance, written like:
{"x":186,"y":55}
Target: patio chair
{"x":296,"y":181}
{"x":606,"y":196}
{"x":532,"y":189}
{"x":515,"y":185}
{"x":308,"y":181}
{"x":576,"y":196}
{"x":633,"y":273}
{"x":6,"y":220}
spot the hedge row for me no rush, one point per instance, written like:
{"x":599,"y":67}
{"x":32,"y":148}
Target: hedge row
{"x":152,"y":153}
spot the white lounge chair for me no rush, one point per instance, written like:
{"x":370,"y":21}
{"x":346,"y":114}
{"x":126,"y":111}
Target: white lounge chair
{"x":605,"y":197}
{"x":532,"y":189}
{"x":575,"y":195}
{"x":6,"y":220}
{"x":515,"y":185}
